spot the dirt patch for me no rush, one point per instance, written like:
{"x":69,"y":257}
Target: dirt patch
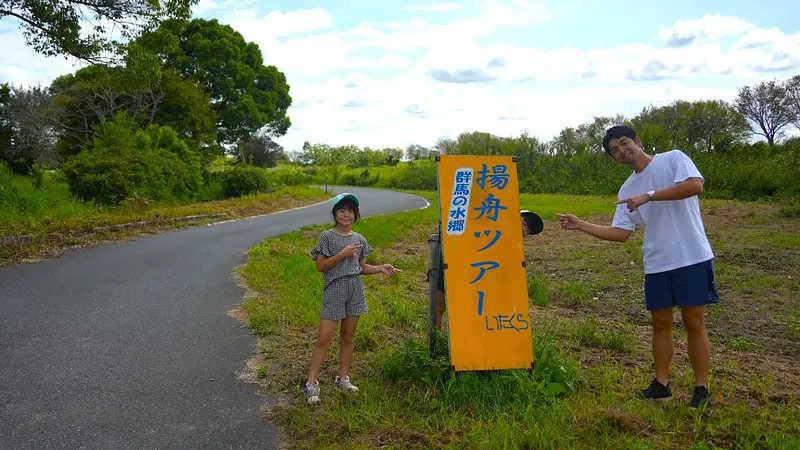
{"x":239,"y":314}
{"x":757,"y":280}
{"x":626,"y":422}
{"x":402,"y":437}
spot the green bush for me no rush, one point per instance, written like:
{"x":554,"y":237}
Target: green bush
{"x":791,"y":210}
{"x":153,"y":163}
{"x":38,"y":195}
{"x":745,"y":172}
{"x":212,"y":190}
{"x":244,"y":180}
{"x":289,"y":176}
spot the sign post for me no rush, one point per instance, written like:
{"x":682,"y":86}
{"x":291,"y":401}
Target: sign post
{"x":484,"y":264}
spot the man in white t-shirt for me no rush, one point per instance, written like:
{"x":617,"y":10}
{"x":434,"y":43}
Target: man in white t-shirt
{"x":661,"y":196}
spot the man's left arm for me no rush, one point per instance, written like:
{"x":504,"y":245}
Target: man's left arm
{"x":688,"y":183}
{"x":684,"y":189}
{"x":688,"y":179}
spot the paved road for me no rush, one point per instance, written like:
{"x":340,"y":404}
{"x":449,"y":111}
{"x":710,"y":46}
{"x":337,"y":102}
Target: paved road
{"x":128,"y":345}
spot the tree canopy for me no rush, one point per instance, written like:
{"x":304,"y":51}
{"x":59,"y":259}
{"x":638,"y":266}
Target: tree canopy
{"x":81,"y":28}
{"x":246,"y":95}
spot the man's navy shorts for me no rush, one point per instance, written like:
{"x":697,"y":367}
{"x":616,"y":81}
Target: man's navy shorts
{"x":685,"y":286}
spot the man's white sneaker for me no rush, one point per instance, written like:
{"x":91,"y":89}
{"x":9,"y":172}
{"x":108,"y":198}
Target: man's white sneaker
{"x":312,"y":392}
{"x":345,"y":384}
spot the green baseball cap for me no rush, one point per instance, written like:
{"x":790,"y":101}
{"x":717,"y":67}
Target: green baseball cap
{"x":342,"y":196}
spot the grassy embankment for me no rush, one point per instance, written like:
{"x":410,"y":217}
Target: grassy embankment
{"x":43,"y":207}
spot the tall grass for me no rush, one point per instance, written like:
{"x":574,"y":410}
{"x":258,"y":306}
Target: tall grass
{"x":43,"y":202}
{"x":40,"y":197}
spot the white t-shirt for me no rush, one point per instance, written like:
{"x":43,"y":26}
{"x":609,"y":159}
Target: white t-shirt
{"x":674,"y":235}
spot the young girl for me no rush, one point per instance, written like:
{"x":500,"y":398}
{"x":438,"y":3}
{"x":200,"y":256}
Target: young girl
{"x":340,"y":255}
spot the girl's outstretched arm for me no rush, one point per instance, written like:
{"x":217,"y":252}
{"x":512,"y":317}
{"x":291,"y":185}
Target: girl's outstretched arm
{"x":386,"y":269}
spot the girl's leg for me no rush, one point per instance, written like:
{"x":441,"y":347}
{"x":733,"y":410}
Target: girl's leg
{"x":347,"y":337}
{"x":324,"y":337}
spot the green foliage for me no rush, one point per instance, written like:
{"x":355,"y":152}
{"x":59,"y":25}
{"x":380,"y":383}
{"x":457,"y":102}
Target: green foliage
{"x":247,"y":95}
{"x":121,"y":163}
{"x":767,"y":105}
{"x":573,"y":163}
{"x":186,"y":109}
{"x":25,"y":199}
{"x":289,"y":176}
{"x":791,"y":210}
{"x":261,"y":151}
{"x":56,"y":28}
{"x":538,"y":290}
{"x":6,"y":129}
{"x":27,"y":134}
{"x":145,"y":93}
{"x":244,"y":180}
{"x":486,"y":393}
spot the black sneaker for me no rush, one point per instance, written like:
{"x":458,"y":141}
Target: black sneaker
{"x":656,"y":391}
{"x":700,"y":397}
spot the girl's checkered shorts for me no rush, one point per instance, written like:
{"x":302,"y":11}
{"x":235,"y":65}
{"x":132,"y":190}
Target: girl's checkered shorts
{"x":344,"y":298}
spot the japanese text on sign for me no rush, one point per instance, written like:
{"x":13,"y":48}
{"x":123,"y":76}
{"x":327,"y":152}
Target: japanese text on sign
{"x":486,"y":287}
{"x":459,"y":201}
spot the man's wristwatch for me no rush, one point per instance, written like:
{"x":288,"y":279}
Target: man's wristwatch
{"x":651,"y":195}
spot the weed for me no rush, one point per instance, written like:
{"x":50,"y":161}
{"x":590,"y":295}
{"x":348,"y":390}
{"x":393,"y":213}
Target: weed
{"x":537,"y":290}
{"x":741,"y":343}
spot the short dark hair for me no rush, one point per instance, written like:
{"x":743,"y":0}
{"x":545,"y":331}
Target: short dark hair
{"x":346,"y":204}
{"x":616,"y":132}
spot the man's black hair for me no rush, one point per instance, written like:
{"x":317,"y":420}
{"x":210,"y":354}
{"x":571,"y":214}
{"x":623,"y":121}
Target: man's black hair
{"x":616,"y":132}
{"x":349,"y":204}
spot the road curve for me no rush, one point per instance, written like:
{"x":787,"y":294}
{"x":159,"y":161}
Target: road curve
{"x":128,"y":345}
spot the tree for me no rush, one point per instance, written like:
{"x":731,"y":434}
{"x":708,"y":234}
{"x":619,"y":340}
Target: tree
{"x":415,"y":151}
{"x":32,"y":137}
{"x":767,"y":107}
{"x":260,"y":150}
{"x":64,"y":27}
{"x":246,"y":95}
{"x":124,"y":161}
{"x":6,"y":128}
{"x":147,"y":95}
{"x":663,"y":128}
{"x":392,"y":156}
{"x":445,"y":146}
{"x":714,"y":124}
{"x":96,"y":93}
{"x":566,"y":143}
{"x":793,"y":97}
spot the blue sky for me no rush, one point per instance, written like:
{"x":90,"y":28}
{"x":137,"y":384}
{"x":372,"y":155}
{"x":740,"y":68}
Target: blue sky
{"x":395,"y":73}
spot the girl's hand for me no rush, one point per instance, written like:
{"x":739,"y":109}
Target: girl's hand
{"x":388,"y":269}
{"x":350,"y":250}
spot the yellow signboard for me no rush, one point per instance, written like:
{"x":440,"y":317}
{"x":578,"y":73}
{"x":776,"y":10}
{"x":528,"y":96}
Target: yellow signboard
{"x":485,"y":278}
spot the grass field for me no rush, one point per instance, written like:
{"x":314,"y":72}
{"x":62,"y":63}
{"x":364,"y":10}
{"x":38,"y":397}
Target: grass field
{"x":591,"y":339}
{"x":52,"y":215}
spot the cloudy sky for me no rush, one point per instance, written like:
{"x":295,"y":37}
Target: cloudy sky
{"x":394,"y":73}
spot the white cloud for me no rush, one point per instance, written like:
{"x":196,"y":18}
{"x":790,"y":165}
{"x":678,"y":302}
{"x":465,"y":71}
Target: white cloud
{"x":710,"y":27}
{"x":513,"y":13}
{"x":277,"y":23}
{"x":435,"y":7}
{"x":397,"y":83}
{"x":517,"y":89}
{"x":205,"y":6}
